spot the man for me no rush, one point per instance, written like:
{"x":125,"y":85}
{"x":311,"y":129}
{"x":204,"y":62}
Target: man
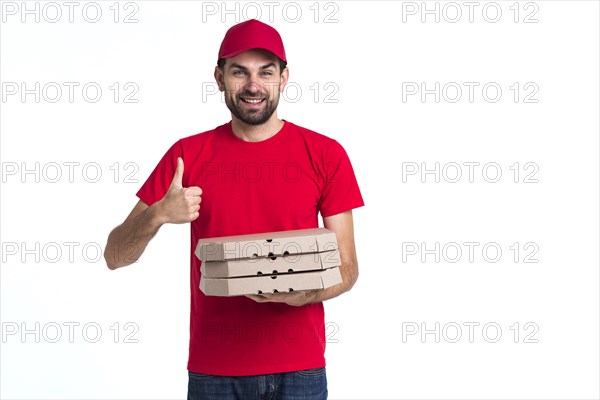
{"x":255,"y":174}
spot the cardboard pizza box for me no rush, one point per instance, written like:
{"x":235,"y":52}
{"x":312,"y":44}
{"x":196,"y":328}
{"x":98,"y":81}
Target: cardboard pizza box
{"x":270,"y":283}
{"x":266,"y":244}
{"x":290,"y":263}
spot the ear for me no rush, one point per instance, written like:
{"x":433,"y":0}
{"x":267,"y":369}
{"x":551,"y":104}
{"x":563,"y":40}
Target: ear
{"x":220,"y":79}
{"x":285,"y":75}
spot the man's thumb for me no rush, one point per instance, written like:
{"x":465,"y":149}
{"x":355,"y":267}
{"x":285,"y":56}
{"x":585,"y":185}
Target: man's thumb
{"x":177,"y":178}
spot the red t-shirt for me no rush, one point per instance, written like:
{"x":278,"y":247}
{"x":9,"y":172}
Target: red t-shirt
{"x":277,"y":184}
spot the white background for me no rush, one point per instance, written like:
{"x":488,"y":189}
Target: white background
{"x":370,"y":53}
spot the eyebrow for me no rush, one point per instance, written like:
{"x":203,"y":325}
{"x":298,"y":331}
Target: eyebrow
{"x":236,"y":65}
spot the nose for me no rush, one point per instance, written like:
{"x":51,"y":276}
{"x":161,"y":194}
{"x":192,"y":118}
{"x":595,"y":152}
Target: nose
{"x":252,"y":87}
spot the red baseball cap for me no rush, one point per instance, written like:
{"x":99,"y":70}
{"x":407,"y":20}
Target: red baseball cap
{"x":251,"y":34}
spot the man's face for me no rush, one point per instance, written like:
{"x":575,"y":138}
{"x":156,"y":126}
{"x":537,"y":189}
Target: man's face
{"x":252,"y":83}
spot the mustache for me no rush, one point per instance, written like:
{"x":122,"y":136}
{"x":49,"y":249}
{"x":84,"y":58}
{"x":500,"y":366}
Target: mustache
{"x":252,"y":96}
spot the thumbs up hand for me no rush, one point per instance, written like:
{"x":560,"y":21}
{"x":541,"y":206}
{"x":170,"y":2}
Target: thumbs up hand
{"x":180,"y":205}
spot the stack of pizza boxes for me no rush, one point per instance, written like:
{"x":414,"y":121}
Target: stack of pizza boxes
{"x":273,"y":262}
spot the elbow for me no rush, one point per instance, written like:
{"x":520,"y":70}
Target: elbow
{"x":109,"y":260}
{"x":352,"y":276}
{"x":112,"y":262}
{"x":110,"y":265}
{"x":353,"y":280}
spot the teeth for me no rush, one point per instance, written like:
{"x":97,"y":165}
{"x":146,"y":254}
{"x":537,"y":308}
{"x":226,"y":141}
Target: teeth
{"x":252,"y":101}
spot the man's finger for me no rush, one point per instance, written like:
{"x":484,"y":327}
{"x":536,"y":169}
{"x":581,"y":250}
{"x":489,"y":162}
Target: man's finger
{"x":256,"y":297}
{"x":193,"y":191}
{"x":178,"y":177}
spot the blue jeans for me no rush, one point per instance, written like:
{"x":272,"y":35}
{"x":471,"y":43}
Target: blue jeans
{"x":310,"y":384}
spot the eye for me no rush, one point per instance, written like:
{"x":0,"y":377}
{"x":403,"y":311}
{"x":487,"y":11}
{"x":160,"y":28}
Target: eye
{"x":238,"y":72}
{"x":267,"y":73}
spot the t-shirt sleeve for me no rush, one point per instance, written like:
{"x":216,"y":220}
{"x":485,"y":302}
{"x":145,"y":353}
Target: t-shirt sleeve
{"x":157,"y":184}
{"x":340,"y":191}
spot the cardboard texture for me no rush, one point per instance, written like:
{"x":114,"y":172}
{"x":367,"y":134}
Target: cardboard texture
{"x":266,"y":244}
{"x":270,"y":283}
{"x":270,"y":265}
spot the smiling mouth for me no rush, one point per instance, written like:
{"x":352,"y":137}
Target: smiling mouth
{"x":252,"y":101}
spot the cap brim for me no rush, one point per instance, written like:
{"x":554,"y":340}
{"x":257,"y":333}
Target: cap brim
{"x":243,"y":50}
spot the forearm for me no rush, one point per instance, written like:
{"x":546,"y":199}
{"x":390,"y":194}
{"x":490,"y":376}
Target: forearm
{"x":127,"y":242}
{"x":349,"y":272}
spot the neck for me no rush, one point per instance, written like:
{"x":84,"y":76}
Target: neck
{"x":256,"y":133}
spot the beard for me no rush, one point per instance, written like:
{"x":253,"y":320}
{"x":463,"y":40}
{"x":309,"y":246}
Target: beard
{"x":248,"y":115}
